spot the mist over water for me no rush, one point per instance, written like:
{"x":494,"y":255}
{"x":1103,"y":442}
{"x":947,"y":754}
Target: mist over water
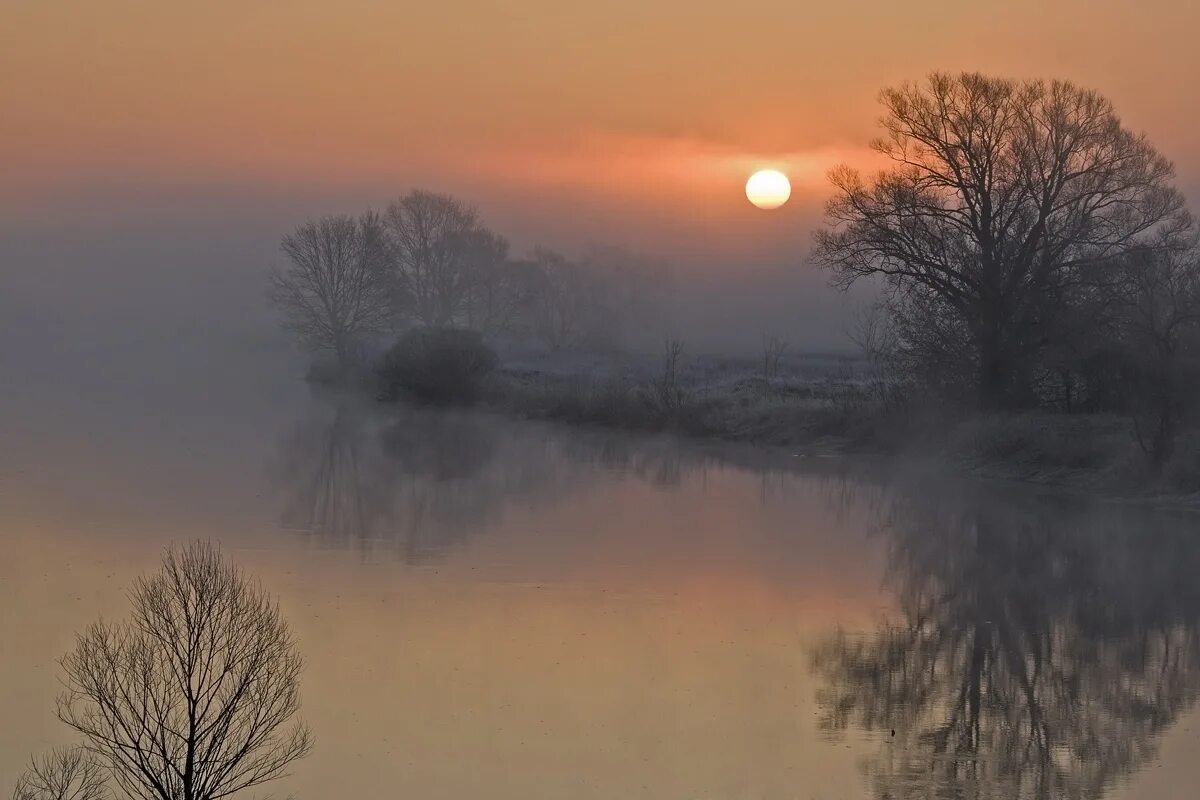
{"x":596,"y":614}
{"x":491,"y":607}
{"x":139,"y":278}
{"x":687,"y":523}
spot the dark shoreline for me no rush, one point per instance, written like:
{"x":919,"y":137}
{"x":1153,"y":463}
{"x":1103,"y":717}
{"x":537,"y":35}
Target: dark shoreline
{"x":1092,"y":456}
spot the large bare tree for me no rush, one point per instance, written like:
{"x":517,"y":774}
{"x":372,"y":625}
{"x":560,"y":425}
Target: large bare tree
{"x":494,"y":293}
{"x":335,"y":289}
{"x":586,"y":301}
{"x":64,"y":774}
{"x":563,"y":299}
{"x":194,"y":697}
{"x":1001,"y":198}
{"x":432,"y":240}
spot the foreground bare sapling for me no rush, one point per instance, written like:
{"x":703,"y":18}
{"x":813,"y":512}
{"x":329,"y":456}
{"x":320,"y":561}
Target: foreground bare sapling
{"x":195,"y":696}
{"x":64,"y":774}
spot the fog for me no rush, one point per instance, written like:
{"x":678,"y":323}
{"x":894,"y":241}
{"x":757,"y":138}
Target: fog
{"x":124,"y":278}
{"x":418,"y":377}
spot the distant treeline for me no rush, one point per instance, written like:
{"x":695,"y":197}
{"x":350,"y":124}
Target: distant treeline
{"x":429,"y":261}
{"x":1033,"y":254}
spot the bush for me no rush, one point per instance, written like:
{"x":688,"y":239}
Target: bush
{"x":442,"y":366}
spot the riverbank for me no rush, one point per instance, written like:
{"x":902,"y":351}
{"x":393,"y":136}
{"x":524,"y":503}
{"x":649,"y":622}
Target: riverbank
{"x":809,"y":405}
{"x":834,"y":405}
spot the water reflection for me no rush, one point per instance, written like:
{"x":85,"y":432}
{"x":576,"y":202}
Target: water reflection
{"x":1038,"y":646}
{"x":332,"y":492}
{"x":1039,"y":650}
{"x":421,"y":481}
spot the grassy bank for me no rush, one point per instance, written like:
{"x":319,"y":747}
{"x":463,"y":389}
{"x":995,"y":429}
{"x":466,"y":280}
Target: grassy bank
{"x":803,"y":404}
{"x":825,"y":406}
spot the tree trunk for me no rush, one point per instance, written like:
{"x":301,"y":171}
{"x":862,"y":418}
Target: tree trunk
{"x":993,"y":377}
{"x":344,"y":349}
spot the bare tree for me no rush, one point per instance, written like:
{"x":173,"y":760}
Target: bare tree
{"x":872,"y":331}
{"x":583,"y":302}
{"x":492,"y":293}
{"x":432,"y":237}
{"x":193,"y":698}
{"x":1003,"y":197}
{"x":562,"y":300}
{"x":512,"y":294}
{"x":667,"y":388}
{"x":63,"y":774}
{"x":334,"y":290}
{"x":773,"y":348}
{"x":625,"y":288}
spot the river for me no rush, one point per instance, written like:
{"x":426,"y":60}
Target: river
{"x":491,"y":608}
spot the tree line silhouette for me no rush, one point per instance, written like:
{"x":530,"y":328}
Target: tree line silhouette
{"x":429,"y":261}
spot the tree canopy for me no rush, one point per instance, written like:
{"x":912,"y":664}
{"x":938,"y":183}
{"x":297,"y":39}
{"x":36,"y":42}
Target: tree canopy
{"x":1004,"y":201}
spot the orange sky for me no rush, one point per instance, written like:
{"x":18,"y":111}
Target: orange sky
{"x":646,"y":114}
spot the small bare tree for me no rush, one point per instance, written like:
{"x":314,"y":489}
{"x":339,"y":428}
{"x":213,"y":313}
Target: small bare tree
{"x":193,"y":698}
{"x":668,"y":386}
{"x":63,"y":774}
{"x":432,"y":239}
{"x":335,"y":290}
{"x":773,"y":349}
{"x":873,"y":329}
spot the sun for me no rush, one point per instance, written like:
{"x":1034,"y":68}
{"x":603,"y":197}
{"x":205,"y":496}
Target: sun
{"x":768,"y":188}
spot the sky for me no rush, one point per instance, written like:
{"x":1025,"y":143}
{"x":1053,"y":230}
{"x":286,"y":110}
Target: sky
{"x":163,"y":148}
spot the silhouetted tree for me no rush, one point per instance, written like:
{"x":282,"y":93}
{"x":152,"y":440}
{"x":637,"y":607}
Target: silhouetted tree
{"x":335,"y":290}
{"x":1003,"y":197}
{"x":666,"y":390}
{"x":193,"y":698}
{"x":511,"y":296}
{"x":493,"y":296}
{"x":64,"y":774}
{"x":434,"y":239}
{"x":583,"y":302}
{"x":563,"y":296}
{"x":773,"y":348}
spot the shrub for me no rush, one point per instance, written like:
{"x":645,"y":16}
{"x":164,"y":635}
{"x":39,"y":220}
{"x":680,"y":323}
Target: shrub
{"x":441,"y":366}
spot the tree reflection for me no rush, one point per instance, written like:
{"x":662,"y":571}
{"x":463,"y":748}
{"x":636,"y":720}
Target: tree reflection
{"x":338,"y":487}
{"x":1038,"y":652}
{"x":416,"y":482}
{"x":421,"y":482}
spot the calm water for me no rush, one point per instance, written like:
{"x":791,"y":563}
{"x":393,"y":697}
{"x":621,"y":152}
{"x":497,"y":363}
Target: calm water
{"x":491,"y":609}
